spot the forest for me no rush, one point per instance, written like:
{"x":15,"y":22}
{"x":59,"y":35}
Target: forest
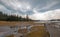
{"x":5,"y":17}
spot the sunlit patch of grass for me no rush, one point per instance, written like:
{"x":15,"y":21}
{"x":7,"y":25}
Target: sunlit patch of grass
{"x":39,"y":32}
{"x":10,"y":35}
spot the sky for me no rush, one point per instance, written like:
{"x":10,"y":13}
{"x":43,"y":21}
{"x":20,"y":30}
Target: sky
{"x":36,"y":9}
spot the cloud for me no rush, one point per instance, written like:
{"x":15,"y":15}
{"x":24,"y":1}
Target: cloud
{"x":47,"y":5}
{"x":28,"y":5}
{"x":52,"y":14}
{"x":32,"y":7}
{"x":16,"y":5}
{"x":4,"y":9}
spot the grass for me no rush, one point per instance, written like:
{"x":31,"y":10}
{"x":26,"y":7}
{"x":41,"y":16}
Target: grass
{"x":4,"y":23}
{"x":10,"y":35}
{"x":40,"y":32}
{"x":36,"y":31}
{"x":14,"y":23}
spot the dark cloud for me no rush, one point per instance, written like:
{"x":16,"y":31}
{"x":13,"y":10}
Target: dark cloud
{"x":28,"y":6}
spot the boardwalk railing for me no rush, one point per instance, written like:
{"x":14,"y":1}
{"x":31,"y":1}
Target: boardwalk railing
{"x":53,"y":28}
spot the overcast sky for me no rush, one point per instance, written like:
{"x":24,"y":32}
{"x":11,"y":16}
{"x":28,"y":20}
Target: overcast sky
{"x":36,"y":9}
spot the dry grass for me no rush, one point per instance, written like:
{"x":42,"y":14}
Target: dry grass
{"x":37,"y":31}
{"x":22,"y":31}
{"x":10,"y":35}
{"x":4,"y":23}
{"x":40,"y":32}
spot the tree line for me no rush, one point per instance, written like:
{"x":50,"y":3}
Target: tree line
{"x":5,"y":17}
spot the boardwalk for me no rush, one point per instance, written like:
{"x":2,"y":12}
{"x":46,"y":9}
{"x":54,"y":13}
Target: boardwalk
{"x":54,"y":29}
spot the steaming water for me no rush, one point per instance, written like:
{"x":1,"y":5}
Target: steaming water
{"x":7,"y":30}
